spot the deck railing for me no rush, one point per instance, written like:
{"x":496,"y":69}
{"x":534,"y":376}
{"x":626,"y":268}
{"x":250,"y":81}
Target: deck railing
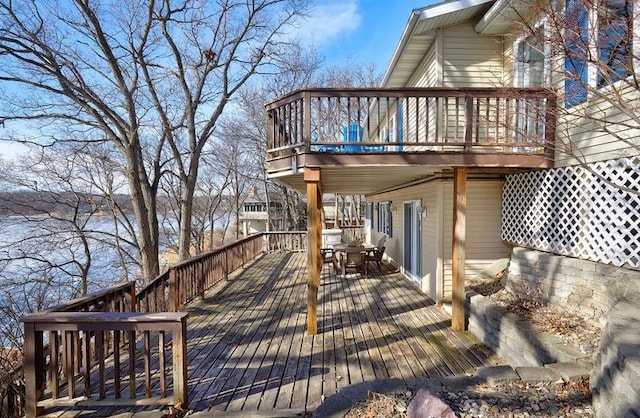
{"x":66,"y":345}
{"x":503,"y":120}
{"x":75,"y":338}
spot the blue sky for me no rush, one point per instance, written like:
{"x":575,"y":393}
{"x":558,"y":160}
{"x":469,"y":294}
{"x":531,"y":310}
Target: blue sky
{"x":362,"y":30}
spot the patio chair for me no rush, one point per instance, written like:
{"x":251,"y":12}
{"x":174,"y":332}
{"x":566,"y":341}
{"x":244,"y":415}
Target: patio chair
{"x":352,"y":258}
{"x":375,"y":256}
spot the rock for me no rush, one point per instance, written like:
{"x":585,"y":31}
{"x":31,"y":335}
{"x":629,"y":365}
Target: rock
{"x":426,"y":405}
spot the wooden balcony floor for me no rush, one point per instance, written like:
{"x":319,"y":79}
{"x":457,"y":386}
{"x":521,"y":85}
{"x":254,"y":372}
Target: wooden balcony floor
{"x":248,"y":349}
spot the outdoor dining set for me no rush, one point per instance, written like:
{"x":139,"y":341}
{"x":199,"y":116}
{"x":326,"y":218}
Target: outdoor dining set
{"x":354,"y":256}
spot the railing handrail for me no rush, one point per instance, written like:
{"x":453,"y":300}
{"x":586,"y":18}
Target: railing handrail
{"x":91,"y":299}
{"x":412,"y":92}
{"x":209,"y":253}
{"x":420,"y":120}
{"x":124,"y":297}
{"x":93,"y":326}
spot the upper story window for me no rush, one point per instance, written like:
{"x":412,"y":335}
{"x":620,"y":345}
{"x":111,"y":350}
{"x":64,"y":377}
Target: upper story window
{"x":598,"y":45}
{"x":255,"y":207}
{"x":530,"y":62}
{"x":614,"y":42}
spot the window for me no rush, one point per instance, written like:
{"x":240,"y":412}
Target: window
{"x":603,"y":31}
{"x":368,"y":212}
{"x":530,"y":70}
{"x":577,"y":50}
{"x":385,"y":220}
{"x":255,"y":207}
{"x":530,"y":62}
{"x":614,"y":41}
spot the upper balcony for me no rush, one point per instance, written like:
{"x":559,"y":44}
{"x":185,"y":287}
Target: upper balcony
{"x":380,"y":138}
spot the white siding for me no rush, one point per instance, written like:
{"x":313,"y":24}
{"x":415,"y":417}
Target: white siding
{"x":470,"y":60}
{"x":427,"y":74}
{"x":484,"y":245}
{"x":595,"y":130}
{"x":605,"y":133}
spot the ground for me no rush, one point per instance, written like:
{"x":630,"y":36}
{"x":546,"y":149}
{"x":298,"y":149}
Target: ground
{"x":573,"y":329}
{"x":510,"y":399}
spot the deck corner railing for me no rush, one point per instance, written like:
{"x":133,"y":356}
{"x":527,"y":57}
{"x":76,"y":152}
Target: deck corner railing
{"x":375,"y":120}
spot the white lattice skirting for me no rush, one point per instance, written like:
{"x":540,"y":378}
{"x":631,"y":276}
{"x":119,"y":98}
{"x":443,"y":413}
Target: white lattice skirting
{"x":590,"y":212}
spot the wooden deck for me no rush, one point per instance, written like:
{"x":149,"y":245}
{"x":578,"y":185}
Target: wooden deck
{"x":248,"y":349}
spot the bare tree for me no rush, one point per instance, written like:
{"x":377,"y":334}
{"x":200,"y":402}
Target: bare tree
{"x":150,"y":78}
{"x":585,"y":50}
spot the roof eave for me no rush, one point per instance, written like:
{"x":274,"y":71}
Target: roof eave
{"x":423,"y":14}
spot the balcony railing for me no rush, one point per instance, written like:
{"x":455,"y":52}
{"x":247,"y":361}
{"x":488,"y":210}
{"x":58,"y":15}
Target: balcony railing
{"x":67,"y":346}
{"x":486,"y":120}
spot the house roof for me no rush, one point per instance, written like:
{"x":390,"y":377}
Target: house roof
{"x":503,"y":14}
{"x":420,"y":32}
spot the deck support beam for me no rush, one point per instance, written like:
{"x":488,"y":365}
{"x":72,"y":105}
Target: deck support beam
{"x":459,"y":247}
{"x":314,"y":229}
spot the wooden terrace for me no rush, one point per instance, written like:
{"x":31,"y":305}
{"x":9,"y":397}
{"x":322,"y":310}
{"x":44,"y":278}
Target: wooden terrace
{"x":247,"y":349}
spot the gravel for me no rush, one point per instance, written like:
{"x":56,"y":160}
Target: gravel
{"x":511,"y":399}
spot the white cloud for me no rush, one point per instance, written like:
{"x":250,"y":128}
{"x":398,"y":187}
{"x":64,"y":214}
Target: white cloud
{"x":331,"y":20}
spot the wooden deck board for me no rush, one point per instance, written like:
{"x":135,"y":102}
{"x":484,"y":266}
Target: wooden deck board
{"x":248,"y":349}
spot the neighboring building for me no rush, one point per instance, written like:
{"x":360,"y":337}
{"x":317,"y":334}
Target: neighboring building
{"x":473,"y":96}
{"x":254,"y":216}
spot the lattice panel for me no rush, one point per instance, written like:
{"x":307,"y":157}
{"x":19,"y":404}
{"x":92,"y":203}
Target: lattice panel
{"x":590,"y":212}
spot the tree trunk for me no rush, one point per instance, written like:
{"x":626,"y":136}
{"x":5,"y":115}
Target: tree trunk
{"x":186,"y":212}
{"x":143,"y":199}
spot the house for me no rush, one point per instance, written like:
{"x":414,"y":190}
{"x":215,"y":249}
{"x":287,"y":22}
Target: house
{"x":418,"y":137}
{"x":254,"y":216}
{"x":502,"y":128}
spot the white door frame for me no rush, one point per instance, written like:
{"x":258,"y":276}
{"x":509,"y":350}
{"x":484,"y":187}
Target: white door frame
{"x":412,"y":240}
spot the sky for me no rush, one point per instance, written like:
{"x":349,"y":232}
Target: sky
{"x":359,"y":31}
{"x":363,"y":31}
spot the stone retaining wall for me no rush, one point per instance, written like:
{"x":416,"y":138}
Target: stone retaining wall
{"x":615,"y":377}
{"x":513,"y":339}
{"x":589,"y":288}
{"x":609,"y":296}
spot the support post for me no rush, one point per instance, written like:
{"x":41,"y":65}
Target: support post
{"x":459,"y":247}
{"x":314,"y":233}
{"x":33,"y":369}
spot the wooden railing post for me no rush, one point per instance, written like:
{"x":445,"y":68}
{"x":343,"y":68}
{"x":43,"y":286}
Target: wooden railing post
{"x":174,"y":291}
{"x":226,"y":265}
{"x":200,"y":274}
{"x":468,"y":124}
{"x":34,"y":373}
{"x":550,"y":127}
{"x":270,"y":129}
{"x":132,"y":294}
{"x":306,"y":118}
{"x":180,"y":392}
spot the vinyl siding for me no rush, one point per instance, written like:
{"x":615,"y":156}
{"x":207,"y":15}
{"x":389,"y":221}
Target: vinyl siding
{"x":578,"y":138}
{"x":484,"y":245}
{"x":470,"y":60}
{"x":583,"y":140}
{"x":427,"y":74}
